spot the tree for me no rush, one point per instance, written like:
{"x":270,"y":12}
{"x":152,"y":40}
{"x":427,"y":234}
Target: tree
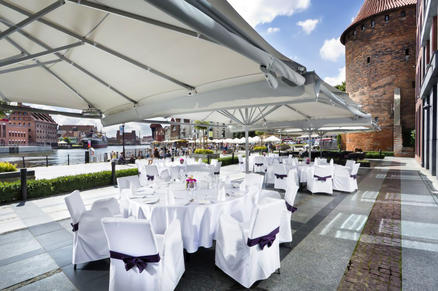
{"x":341,"y":87}
{"x":3,"y":113}
{"x":201,"y":126}
{"x":260,"y":134}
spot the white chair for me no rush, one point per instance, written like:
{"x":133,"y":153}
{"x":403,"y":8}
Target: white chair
{"x":285,"y":235}
{"x":259,"y":164}
{"x":350,"y":163}
{"x":280,"y":175}
{"x":213,"y":162}
{"x":289,"y":197}
{"x":140,"y":259}
{"x":242,"y":163}
{"x":151,"y":173}
{"x":248,"y":252}
{"x":216,"y":170}
{"x":345,"y":180}
{"x":165,"y":175}
{"x":89,"y":242}
{"x":320,"y":179}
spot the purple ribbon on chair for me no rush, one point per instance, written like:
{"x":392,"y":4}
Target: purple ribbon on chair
{"x":131,"y":261}
{"x":280,"y":176}
{"x":150,"y":178}
{"x":322,"y":178}
{"x":216,"y":173}
{"x":75,"y":227}
{"x":265,"y":240}
{"x":353,"y":176}
{"x":259,"y":164}
{"x":290,"y":207}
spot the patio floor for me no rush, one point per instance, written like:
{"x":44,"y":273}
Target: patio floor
{"x":384,"y":236}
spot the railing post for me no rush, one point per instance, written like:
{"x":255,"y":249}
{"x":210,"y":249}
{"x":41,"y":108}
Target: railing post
{"x":23,"y":178}
{"x":47,"y":161}
{"x":113,"y":173}
{"x":87,"y":157}
{"x":208,"y":159}
{"x":24,"y":164}
{"x":68,"y":159}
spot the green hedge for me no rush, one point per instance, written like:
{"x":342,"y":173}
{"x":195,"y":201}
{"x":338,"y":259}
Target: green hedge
{"x":226,"y":161}
{"x":376,"y":155}
{"x":11,"y":191}
{"x":203,"y":152}
{"x":7,"y":167}
{"x":260,"y":149}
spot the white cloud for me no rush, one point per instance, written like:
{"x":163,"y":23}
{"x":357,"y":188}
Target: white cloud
{"x":272,"y":30}
{"x":264,"y":11}
{"x":308,"y":25}
{"x":336,"y":80}
{"x":332,"y":49}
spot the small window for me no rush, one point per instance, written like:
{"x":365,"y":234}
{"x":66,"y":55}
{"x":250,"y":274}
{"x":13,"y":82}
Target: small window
{"x":368,"y":60}
{"x":362,"y":27}
{"x":403,"y":13}
{"x":373,"y":23}
{"x":413,"y":84}
{"x":386,"y":18}
{"x":354,"y":32}
{"x":407,"y":52}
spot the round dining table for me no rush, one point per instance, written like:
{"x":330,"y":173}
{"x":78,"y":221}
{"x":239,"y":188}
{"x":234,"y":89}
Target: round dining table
{"x":198,"y":211}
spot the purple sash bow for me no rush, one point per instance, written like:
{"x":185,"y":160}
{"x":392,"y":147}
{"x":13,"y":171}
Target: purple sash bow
{"x":216,"y":173}
{"x":290,"y":207}
{"x":279,"y":176}
{"x":75,"y":226}
{"x":131,"y":262}
{"x":259,"y":164}
{"x":264,"y":240}
{"x":322,"y":178}
{"x":353,"y":176}
{"x":150,"y":178}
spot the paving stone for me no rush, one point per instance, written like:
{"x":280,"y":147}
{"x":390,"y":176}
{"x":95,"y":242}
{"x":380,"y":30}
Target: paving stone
{"x":56,"y":282}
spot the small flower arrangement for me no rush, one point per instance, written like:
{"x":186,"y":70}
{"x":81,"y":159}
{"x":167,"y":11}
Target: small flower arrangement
{"x":181,"y":161}
{"x":308,"y":161}
{"x":190,"y":183}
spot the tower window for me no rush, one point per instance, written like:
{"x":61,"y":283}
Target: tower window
{"x":373,"y":23}
{"x":368,"y":60}
{"x":386,"y":18}
{"x":403,"y":13}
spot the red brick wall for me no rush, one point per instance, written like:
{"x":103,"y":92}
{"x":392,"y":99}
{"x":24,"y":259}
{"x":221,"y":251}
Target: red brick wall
{"x":372,"y":84}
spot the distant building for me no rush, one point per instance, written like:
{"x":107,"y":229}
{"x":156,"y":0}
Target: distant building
{"x":146,"y":139}
{"x":157,"y":132}
{"x":130,"y":138}
{"x":76,"y":132}
{"x":380,"y":73}
{"x":40,"y":128}
{"x":11,"y":134}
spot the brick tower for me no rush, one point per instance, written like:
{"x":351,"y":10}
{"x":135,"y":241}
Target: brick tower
{"x":380,"y":73}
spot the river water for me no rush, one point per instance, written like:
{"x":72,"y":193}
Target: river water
{"x":62,"y":156}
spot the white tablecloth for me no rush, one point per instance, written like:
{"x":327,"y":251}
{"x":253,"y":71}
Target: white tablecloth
{"x":198,"y":218}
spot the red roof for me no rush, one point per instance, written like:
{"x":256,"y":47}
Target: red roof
{"x":373,"y":7}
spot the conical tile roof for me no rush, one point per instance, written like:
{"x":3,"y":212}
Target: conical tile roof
{"x":373,"y":7}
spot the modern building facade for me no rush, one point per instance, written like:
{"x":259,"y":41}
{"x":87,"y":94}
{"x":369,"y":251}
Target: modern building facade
{"x":380,"y":73}
{"x":427,"y":80}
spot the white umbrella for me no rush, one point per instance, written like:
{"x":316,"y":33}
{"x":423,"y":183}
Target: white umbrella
{"x":273,"y":139}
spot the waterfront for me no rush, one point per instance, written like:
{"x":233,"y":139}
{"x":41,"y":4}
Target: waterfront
{"x":62,"y":156}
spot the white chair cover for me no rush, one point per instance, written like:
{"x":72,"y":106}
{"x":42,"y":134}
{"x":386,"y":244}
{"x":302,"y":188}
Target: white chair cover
{"x":349,"y":164}
{"x":136,"y":238}
{"x":345,"y":180}
{"x":259,"y":164}
{"x":89,"y":242}
{"x":320,"y":179}
{"x":241,"y":163}
{"x":280,"y":175}
{"x":247,"y":264}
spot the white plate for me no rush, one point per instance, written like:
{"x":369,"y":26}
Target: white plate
{"x":151,"y":200}
{"x":144,"y":191}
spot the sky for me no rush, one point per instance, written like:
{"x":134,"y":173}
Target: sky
{"x":307,"y":31}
